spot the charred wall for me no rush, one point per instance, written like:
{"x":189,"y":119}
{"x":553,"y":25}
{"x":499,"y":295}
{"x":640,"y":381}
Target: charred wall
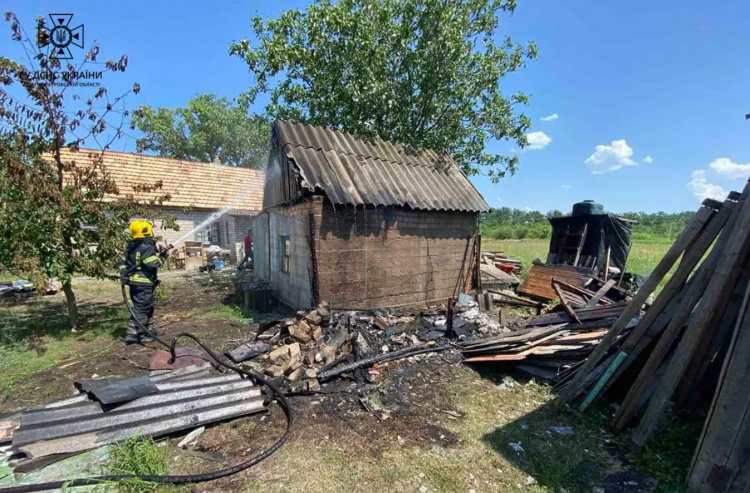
{"x":388,"y":256}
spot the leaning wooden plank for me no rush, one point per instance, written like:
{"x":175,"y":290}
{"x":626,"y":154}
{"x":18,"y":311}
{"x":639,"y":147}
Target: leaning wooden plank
{"x":715,"y":297}
{"x":730,"y":403}
{"x":565,"y":303}
{"x":712,"y":342}
{"x":690,"y":259}
{"x":697,"y":286}
{"x":601,"y":293}
{"x":691,"y":231}
{"x":645,"y":342}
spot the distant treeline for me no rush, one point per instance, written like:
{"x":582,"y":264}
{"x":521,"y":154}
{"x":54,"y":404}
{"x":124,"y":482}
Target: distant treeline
{"x":506,"y":223}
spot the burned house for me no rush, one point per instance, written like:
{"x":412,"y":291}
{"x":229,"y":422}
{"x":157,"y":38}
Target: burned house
{"x":362,"y":223}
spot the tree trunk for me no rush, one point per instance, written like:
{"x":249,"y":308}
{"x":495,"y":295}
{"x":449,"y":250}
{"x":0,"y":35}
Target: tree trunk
{"x":70,"y":298}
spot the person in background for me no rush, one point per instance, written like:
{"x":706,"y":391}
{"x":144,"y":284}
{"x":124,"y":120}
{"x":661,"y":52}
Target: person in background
{"x":247,"y":260}
{"x":138,"y":269}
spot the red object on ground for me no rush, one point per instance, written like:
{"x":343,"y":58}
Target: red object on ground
{"x":507,"y":268}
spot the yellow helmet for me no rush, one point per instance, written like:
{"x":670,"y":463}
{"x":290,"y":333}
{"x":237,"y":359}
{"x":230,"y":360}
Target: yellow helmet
{"x":140,"y":229}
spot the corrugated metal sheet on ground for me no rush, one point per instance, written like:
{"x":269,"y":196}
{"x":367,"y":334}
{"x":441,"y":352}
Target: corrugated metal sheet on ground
{"x":355,"y":171}
{"x":184,"y":401}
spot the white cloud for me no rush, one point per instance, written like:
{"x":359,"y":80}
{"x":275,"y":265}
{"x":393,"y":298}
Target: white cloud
{"x":704,"y":190}
{"x":725,"y":166}
{"x":538,"y":140}
{"x":648,"y":160}
{"x":565,"y":186}
{"x":553,"y":116}
{"x":528,"y":209}
{"x":610,"y":157}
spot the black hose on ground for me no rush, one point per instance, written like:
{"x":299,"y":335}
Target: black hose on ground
{"x":187,"y":478}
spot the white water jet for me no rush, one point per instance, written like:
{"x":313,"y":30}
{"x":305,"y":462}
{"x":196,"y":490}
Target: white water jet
{"x":216,"y":215}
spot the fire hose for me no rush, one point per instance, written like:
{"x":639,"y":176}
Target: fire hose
{"x":187,"y":478}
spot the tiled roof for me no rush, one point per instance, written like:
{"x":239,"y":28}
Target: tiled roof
{"x":190,"y":184}
{"x":356,"y":171}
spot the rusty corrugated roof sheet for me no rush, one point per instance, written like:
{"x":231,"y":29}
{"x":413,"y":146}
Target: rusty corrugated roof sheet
{"x":356,"y":171}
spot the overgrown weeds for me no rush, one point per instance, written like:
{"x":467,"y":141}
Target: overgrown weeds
{"x":140,"y":457}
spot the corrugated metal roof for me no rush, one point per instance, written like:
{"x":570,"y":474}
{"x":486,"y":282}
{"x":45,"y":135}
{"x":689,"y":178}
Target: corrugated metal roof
{"x":77,"y":424}
{"x":356,"y":171}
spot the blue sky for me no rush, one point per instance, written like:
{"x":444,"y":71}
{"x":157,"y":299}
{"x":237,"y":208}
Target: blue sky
{"x":649,"y":96}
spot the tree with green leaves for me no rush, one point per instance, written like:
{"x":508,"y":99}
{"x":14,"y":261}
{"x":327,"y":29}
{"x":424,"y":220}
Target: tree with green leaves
{"x":61,"y":213}
{"x":207,"y":129}
{"x":420,"y":72}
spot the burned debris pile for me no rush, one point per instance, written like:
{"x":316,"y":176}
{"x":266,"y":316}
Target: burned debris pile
{"x":315,"y":346}
{"x":553,"y":345}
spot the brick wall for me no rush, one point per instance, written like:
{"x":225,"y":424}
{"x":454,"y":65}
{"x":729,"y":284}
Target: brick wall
{"x":378,"y":257}
{"x":233,"y":228}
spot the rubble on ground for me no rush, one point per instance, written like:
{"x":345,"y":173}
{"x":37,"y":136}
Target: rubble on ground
{"x":302,"y":351}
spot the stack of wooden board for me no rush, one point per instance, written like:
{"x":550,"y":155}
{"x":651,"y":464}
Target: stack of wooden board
{"x":677,"y":350}
{"x":495,"y":273}
{"x":503,"y":262}
{"x":551,"y":345}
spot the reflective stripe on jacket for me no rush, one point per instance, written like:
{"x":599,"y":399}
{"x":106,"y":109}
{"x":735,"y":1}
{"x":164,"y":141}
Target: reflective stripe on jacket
{"x":141,"y":261}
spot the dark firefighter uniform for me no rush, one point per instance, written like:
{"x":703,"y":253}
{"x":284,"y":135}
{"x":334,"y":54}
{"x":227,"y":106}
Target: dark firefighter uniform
{"x":138,"y":269}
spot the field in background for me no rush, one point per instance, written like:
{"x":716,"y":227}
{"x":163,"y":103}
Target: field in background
{"x":643,"y":256}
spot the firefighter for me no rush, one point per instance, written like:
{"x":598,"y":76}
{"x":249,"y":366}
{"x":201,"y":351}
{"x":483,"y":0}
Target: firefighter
{"x":138,"y":269}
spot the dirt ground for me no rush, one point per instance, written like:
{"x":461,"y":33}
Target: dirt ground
{"x":449,"y":427}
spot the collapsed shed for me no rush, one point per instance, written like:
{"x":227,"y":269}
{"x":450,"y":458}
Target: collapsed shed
{"x":588,"y":242}
{"x":362,"y":223}
{"x":588,"y":237}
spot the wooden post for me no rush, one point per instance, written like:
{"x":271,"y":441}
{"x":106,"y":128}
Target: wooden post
{"x":691,"y":231}
{"x":606,"y":262}
{"x":479,"y":263}
{"x":580,"y":245}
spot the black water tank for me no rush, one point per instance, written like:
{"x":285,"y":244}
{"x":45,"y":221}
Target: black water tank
{"x":587,"y":207}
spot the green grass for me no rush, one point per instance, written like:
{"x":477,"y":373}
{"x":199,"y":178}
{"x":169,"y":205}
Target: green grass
{"x":138,"y":456}
{"x":668,"y":455}
{"x":642,"y":260}
{"x":34,"y":336}
{"x":235,"y":313}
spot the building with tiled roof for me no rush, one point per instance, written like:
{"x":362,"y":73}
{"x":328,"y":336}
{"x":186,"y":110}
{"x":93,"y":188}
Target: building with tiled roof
{"x":197,"y":190}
